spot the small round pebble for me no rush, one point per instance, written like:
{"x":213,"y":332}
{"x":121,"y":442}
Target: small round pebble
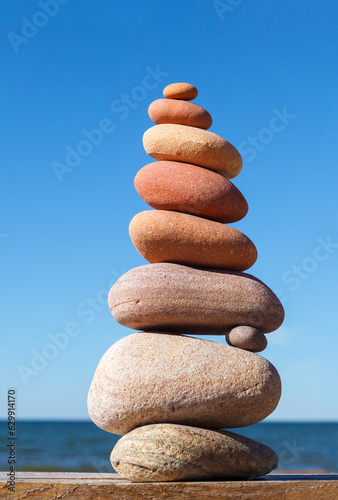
{"x":184,"y":91}
{"x":246,"y":337}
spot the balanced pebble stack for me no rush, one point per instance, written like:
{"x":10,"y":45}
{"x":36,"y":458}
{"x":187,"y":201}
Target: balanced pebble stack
{"x":167,"y":392}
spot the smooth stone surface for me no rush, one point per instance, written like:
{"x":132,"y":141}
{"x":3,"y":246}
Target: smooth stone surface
{"x":169,"y":185}
{"x":181,"y":112}
{"x":246,"y":337}
{"x":169,"y":452}
{"x":148,"y":378}
{"x":182,"y":90}
{"x":176,"y":298}
{"x":165,"y":236}
{"x":192,"y":145}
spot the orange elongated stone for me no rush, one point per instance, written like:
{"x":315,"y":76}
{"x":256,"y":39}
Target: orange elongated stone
{"x":164,"y":236}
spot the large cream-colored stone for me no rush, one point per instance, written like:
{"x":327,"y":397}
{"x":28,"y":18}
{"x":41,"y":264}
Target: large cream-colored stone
{"x":192,"y":145}
{"x":165,"y":236}
{"x":177,"y":298}
{"x":150,"y":378}
{"x":170,"y":452}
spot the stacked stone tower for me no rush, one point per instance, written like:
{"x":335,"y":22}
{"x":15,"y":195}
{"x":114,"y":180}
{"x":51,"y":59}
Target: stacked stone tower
{"x":166,"y":391}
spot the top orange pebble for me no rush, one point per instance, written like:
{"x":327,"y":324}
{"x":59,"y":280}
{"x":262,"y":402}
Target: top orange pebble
{"x":184,"y":91}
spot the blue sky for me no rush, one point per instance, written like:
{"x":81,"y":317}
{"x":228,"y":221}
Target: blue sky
{"x":64,"y":236}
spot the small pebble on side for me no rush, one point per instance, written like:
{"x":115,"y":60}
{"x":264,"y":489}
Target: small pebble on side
{"x":184,"y":91}
{"x":246,"y":337}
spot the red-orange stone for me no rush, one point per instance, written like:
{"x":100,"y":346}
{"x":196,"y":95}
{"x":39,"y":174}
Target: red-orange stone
{"x":182,"y":187}
{"x":184,"y":91}
{"x":180,"y":112}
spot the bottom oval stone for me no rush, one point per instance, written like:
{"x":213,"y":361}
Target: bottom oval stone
{"x":170,"y":452}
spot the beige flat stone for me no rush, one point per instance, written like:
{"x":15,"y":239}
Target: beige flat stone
{"x":177,"y":298}
{"x":169,"y":452}
{"x":148,"y":378}
{"x":192,"y":145}
{"x":166,"y":236}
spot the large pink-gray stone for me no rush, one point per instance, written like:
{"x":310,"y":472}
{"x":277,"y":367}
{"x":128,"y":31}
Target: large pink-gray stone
{"x":150,"y":378}
{"x":176,"y":298}
{"x":171,"y":452}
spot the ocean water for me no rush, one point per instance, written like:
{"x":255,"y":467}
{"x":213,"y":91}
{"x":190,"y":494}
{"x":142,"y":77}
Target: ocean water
{"x":83,"y":447}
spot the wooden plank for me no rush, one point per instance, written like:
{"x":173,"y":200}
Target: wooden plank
{"x":46,"y":485}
